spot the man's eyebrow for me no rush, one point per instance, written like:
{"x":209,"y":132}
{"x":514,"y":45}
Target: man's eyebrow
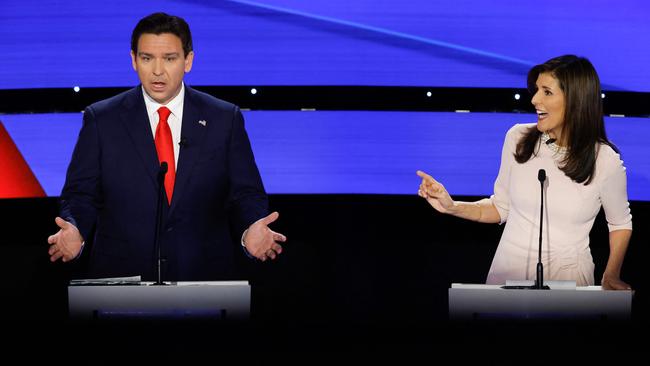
{"x":169,"y":54}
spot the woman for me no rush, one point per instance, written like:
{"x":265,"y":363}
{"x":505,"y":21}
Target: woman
{"x":584,"y":171}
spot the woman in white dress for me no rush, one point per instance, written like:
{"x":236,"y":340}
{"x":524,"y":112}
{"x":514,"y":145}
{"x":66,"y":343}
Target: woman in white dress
{"x":583,"y":169}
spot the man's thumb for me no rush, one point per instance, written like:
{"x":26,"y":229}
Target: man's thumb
{"x":61,"y":223}
{"x":270,"y":218}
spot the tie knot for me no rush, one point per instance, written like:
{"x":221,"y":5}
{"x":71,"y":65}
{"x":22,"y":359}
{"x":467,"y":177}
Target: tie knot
{"x":164,"y":113}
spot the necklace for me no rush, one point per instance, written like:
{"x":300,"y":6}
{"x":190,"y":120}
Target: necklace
{"x":557,"y":149}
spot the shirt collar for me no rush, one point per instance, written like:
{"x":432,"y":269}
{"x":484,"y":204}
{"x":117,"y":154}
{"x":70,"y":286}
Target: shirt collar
{"x":175,"y":105}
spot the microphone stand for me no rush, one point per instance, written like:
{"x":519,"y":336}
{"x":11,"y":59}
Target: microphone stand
{"x":159,"y":209}
{"x":539,"y":281}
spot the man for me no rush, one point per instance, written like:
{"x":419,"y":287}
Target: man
{"x":213,"y":192}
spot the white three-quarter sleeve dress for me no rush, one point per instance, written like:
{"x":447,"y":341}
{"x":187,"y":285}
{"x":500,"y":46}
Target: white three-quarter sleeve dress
{"x":570,"y":209}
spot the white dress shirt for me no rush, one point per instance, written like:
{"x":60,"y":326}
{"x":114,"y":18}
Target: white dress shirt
{"x":175,"y":119}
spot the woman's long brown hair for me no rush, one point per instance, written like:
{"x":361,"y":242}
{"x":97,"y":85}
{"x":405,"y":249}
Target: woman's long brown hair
{"x":584,"y":125}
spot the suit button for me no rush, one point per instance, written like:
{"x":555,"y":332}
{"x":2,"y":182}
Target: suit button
{"x":169,"y":229}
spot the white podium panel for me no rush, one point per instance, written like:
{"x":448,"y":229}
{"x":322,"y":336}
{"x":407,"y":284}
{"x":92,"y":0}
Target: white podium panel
{"x":475,"y":301}
{"x":223,"y":300}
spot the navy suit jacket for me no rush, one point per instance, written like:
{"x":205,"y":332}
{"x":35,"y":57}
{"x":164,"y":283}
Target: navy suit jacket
{"x":111,"y":189}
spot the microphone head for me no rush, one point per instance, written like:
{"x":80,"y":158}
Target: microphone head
{"x":541,"y":175}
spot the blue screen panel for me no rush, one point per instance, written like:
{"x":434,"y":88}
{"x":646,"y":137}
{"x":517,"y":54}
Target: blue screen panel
{"x":352,"y":152}
{"x":463,"y":43}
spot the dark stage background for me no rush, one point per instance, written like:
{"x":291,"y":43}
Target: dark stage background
{"x":360,"y":273}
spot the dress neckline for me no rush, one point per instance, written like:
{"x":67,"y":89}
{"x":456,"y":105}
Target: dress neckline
{"x":553,"y":145}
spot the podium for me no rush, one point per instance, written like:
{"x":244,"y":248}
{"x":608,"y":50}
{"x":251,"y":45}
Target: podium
{"x":110,"y":300}
{"x":478,"y":301}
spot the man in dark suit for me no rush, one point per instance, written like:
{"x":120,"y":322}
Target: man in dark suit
{"x":213,"y":193}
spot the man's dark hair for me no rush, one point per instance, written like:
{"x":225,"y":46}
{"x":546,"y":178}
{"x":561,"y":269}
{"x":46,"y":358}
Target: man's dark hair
{"x":159,"y":23}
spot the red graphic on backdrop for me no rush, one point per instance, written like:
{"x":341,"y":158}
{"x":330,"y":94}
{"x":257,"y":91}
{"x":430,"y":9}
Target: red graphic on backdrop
{"x":16,"y":178}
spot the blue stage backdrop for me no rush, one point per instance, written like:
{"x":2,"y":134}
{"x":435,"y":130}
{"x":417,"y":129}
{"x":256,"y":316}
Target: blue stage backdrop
{"x":460,"y":43}
{"x":351,"y":152}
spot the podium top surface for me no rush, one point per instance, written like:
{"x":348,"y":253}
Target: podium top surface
{"x":480,"y":301}
{"x":554,"y":285}
{"x":137,"y":282}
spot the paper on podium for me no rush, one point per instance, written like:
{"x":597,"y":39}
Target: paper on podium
{"x":133,"y":280}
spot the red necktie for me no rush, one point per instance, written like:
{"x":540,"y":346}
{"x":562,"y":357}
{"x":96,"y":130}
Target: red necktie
{"x":165,"y":149}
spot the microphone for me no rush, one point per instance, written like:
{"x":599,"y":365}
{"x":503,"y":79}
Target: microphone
{"x":156,"y":238}
{"x":550,"y":141}
{"x":183,"y":142}
{"x":539,"y":281}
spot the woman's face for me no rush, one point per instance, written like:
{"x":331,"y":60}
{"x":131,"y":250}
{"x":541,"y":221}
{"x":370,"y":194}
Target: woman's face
{"x":549,"y":104}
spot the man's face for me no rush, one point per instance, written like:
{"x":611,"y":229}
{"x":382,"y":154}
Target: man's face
{"x":161,"y":65}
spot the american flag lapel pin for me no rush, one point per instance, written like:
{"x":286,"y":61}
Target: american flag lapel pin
{"x":203,"y":122}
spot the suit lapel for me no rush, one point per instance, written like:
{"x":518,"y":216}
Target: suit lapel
{"x":193,"y":133}
{"x":135,"y":120}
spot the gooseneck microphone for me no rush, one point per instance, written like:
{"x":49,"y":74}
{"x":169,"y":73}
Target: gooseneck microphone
{"x":539,"y":281}
{"x":161,"y":198}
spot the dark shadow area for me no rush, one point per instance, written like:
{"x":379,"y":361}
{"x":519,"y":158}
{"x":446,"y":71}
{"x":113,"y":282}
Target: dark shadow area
{"x":363,"y":274}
